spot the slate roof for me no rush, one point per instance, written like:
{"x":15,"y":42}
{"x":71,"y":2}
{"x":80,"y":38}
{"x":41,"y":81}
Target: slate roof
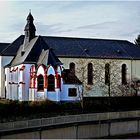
{"x":47,"y":57}
{"x":12,"y":48}
{"x":82,"y":47}
{"x":3,"y":46}
{"x":98,"y":48}
{"x":37,"y":51}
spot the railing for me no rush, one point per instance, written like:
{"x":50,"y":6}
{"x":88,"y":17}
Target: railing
{"x":67,"y":120}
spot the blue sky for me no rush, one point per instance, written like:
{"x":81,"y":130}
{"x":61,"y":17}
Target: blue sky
{"x":89,"y":19}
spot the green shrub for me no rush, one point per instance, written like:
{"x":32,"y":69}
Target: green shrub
{"x":15,"y":110}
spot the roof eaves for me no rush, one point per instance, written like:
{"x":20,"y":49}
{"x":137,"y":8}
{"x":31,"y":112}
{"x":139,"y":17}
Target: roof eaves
{"x":99,"y":57}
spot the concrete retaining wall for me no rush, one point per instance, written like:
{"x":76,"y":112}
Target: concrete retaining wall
{"x":74,"y":126}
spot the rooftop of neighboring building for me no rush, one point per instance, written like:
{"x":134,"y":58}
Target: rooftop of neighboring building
{"x":3,"y":46}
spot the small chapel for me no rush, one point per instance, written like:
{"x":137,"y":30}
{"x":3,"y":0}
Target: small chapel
{"x":35,"y":73}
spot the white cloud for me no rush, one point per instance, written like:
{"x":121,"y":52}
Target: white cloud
{"x":72,"y":18}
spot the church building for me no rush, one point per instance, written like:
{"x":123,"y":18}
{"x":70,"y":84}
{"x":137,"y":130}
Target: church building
{"x":35,"y":73}
{"x":34,"y":68}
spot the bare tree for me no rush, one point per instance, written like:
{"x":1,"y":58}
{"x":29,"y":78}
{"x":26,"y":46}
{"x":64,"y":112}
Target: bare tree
{"x":131,"y":88}
{"x":81,"y":72}
{"x":100,"y":88}
{"x":109,"y":78}
{"x":113,"y":87}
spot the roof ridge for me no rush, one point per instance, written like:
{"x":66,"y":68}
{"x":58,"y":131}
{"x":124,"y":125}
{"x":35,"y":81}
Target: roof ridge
{"x":67,"y":37}
{"x":4,"y":43}
{"x":14,"y":62}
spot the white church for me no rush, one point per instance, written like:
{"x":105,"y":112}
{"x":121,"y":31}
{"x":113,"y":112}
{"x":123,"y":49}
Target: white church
{"x":34,"y":68}
{"x":32,"y":72}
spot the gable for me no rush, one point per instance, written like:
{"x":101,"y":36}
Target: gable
{"x":36,"y":51}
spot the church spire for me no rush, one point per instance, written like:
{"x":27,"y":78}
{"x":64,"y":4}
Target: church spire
{"x":29,"y":29}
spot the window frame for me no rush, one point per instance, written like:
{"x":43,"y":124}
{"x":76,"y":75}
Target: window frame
{"x":42,"y":84}
{"x":124,"y":74}
{"x":71,"y":92}
{"x":90,"y":74}
{"x":107,"y":73}
{"x":50,"y":84}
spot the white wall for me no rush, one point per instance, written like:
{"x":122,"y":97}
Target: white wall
{"x":26,"y":79}
{"x":4,"y":60}
{"x":64,"y":94}
{"x":136,"y":68}
{"x":17,"y":90}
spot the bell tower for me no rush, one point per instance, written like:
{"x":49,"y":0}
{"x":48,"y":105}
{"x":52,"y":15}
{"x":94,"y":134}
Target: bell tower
{"x":29,"y":29}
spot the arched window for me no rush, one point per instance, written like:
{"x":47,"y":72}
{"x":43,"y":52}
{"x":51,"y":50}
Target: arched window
{"x":72,"y":67}
{"x":32,"y":76}
{"x":59,"y":81}
{"x":90,"y":74}
{"x":107,"y":74}
{"x":124,"y":74}
{"x":40,"y":83}
{"x":51,"y":83}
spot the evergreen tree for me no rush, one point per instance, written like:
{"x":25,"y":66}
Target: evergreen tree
{"x":137,"y":41}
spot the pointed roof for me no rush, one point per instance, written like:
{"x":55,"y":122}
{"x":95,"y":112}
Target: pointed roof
{"x":30,"y":17}
{"x":30,"y":25}
{"x":36,"y":51}
{"x":47,"y":57}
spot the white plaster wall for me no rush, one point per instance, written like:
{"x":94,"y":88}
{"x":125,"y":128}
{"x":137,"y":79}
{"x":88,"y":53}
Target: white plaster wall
{"x":40,"y":70}
{"x":64,"y":94}
{"x":53,"y":95}
{"x":50,"y":71}
{"x":4,"y":60}
{"x":136,"y":68}
{"x":26,"y":79}
{"x":7,"y":85}
{"x":40,"y":96}
{"x":18,"y":91}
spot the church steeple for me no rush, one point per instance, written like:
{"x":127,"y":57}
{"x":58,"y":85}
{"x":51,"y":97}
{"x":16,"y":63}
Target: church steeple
{"x":29,"y":29}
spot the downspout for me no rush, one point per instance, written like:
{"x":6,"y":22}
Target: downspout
{"x":131,"y":74}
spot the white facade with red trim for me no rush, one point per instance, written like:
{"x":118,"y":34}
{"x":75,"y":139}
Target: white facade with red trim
{"x":22,"y":84}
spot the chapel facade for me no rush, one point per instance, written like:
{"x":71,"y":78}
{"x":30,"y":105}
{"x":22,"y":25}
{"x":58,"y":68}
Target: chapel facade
{"x":35,"y":73}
